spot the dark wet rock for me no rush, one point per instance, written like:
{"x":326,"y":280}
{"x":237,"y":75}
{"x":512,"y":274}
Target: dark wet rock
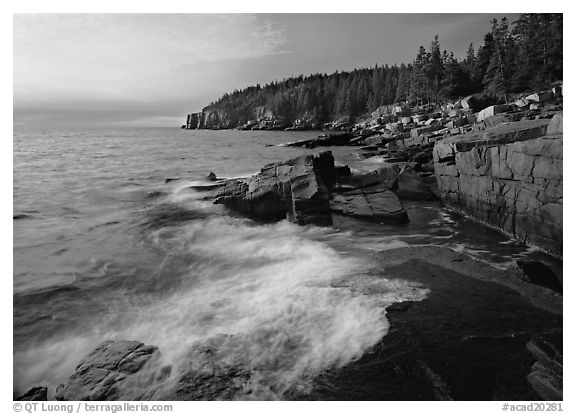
{"x":540,"y":274}
{"x":465,"y":341}
{"x":207,"y":187}
{"x":411,"y":186}
{"x":433,"y":383}
{"x":169,"y":180}
{"x":546,"y":376}
{"x":35,"y":394}
{"x":297,"y":189}
{"x":358,"y":181}
{"x":99,"y":376}
{"x":375,"y":203}
{"x":210,"y":374}
{"x":343,"y":170}
{"x":332,"y":139}
{"x":21,"y":216}
{"x":301,"y":190}
{"x":509,"y":176}
{"x":387,"y":174}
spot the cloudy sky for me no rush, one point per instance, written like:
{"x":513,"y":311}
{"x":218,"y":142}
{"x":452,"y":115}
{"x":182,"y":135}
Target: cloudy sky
{"x":152,"y":69}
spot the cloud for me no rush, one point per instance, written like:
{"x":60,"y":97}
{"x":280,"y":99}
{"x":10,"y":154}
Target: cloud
{"x":111,"y":55}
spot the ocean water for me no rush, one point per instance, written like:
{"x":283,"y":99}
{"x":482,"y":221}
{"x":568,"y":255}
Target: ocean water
{"x":105,"y":249}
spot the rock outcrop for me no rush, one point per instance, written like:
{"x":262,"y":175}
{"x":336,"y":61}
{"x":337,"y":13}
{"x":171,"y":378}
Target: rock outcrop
{"x":298,"y":189}
{"x":210,"y":374}
{"x":509,"y":176}
{"x":99,"y":376}
{"x":375,"y":203}
{"x":194,"y":120}
{"x":308,"y":189}
{"x":465,"y":341}
{"x":332,"y":139}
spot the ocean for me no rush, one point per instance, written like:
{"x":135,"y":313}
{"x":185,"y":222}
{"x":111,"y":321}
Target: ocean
{"x":105,"y":248}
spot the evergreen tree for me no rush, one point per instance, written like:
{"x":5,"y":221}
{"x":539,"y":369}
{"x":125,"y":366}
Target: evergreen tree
{"x":525,"y":57}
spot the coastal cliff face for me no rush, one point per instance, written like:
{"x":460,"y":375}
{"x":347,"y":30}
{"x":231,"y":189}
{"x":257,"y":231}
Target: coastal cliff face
{"x":260,"y":118}
{"x":509,"y":176}
{"x":216,"y":119}
{"x":209,"y":119}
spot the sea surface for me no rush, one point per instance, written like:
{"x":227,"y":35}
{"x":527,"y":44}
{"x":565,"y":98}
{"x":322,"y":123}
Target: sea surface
{"x":104,"y":248}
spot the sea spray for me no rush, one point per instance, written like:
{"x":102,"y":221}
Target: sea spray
{"x":292,"y":306}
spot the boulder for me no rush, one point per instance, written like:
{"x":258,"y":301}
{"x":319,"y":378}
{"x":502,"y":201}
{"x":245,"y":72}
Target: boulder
{"x":455,"y":113}
{"x":495,"y":120}
{"x":537,"y":272}
{"x":210,"y":374}
{"x":297,"y":189}
{"x":99,"y":376}
{"x":457,"y":122}
{"x":555,"y":126}
{"x":491,"y":111}
{"x":367,"y":132}
{"x":379,"y":139}
{"x":375,"y":203}
{"x":387,"y":175}
{"x":540,"y":96}
{"x":466,"y":103}
{"x":412,"y":187}
{"x":35,"y":394}
{"x":416,"y":132}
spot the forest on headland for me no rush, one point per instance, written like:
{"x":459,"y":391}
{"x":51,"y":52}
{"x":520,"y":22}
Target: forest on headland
{"x":524,"y":55}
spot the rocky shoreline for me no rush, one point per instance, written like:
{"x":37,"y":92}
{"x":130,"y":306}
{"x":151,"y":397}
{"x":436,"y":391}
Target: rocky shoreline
{"x":499,"y":163}
{"x":482,"y":333}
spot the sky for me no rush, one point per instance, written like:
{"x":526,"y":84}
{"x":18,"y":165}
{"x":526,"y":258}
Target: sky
{"x":153,"y":69}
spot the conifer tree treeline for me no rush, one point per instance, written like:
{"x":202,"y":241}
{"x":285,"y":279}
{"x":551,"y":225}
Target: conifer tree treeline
{"x":524,"y":57}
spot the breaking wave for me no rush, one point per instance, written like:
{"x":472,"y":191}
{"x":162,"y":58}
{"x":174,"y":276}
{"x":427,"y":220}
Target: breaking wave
{"x":293,"y":305}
